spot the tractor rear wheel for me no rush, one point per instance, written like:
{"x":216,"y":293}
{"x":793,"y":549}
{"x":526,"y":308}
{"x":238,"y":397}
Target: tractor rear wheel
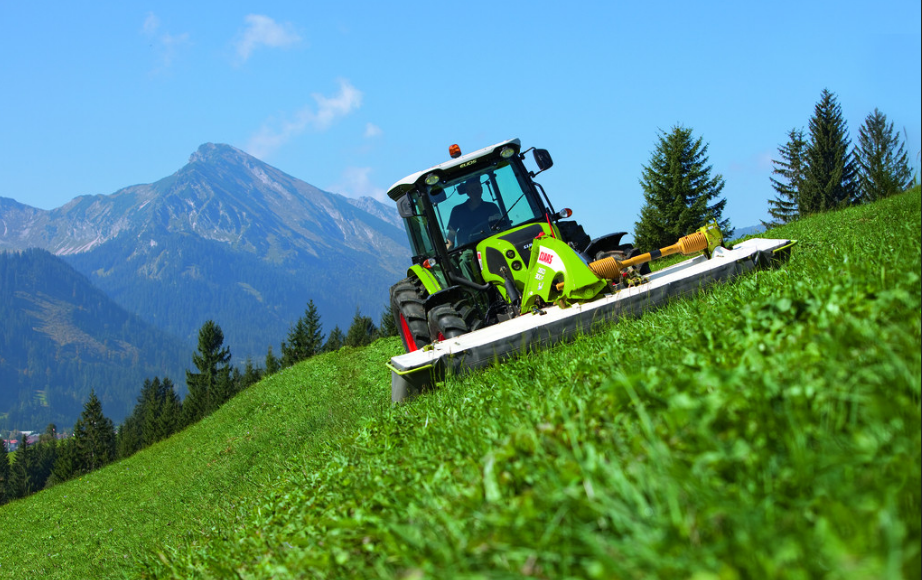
{"x":410,"y":314}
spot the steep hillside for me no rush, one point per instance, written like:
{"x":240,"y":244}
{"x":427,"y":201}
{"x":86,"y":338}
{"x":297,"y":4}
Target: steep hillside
{"x":61,"y":337}
{"x":226,"y":237}
{"x":765,"y":428}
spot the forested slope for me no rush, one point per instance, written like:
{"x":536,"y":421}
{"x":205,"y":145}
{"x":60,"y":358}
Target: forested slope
{"x":61,"y":338}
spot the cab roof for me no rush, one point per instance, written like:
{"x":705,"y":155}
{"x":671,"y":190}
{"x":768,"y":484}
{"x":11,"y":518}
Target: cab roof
{"x":409,"y":182}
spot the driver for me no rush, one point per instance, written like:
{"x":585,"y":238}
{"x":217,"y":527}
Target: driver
{"x":471,"y":217}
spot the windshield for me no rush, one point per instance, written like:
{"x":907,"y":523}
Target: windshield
{"x":478,"y":205}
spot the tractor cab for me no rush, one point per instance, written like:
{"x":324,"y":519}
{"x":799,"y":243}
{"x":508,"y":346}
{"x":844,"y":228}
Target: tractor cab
{"x":451,"y":207}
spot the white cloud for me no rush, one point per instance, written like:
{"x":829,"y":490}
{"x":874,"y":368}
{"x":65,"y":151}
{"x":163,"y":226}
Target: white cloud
{"x":356,"y":182}
{"x":372,"y":130}
{"x":327,"y":111}
{"x":264,"y":31}
{"x":166,"y":45}
{"x":151,"y":24}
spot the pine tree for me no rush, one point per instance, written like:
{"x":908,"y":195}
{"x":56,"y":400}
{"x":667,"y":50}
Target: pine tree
{"x":831,"y":173}
{"x":790,"y":169}
{"x":4,"y":473}
{"x":882,"y":162}
{"x":94,"y":437}
{"x":305,"y":338}
{"x":169,"y":417}
{"x":66,"y":466}
{"x":387,"y":326}
{"x":47,"y":454}
{"x":335,"y":341}
{"x":251,"y":375}
{"x":147,"y":411}
{"x":680,"y":194}
{"x":209,"y":387}
{"x":129,"y":439}
{"x":272,"y":363}
{"x":362,"y":330}
{"x":21,"y":481}
{"x":156,"y":416}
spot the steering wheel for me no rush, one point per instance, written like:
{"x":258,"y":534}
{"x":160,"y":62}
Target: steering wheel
{"x":474,"y":232}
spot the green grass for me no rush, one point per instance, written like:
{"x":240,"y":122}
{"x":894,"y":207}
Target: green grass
{"x":178,"y":491}
{"x":765,"y":428}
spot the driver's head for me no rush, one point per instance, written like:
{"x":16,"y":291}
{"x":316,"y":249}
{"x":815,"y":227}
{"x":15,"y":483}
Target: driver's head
{"x":472,"y":187}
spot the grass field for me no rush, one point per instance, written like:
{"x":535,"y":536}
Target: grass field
{"x":764,"y":428}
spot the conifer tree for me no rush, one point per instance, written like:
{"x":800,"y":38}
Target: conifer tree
{"x":21,"y":481}
{"x":882,"y":162}
{"x":66,"y":466}
{"x":156,"y":416}
{"x":335,"y":341}
{"x":147,"y":411}
{"x":47,"y":454}
{"x":388,"y":326}
{"x":790,"y":170}
{"x":129,"y":439}
{"x":94,"y":437}
{"x":680,"y":194}
{"x":4,"y":472}
{"x":362,"y":330}
{"x":209,"y":387}
{"x":272,"y":363}
{"x":305,"y":338}
{"x":831,"y":173}
{"x":169,"y":418}
{"x":251,"y":375}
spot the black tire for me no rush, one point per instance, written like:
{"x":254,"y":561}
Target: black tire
{"x":470,"y":315}
{"x":410,"y":314}
{"x":445,"y":322}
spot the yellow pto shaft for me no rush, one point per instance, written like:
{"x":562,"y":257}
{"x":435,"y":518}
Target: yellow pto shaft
{"x":706,"y":238}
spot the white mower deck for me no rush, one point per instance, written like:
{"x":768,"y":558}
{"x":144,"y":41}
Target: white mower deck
{"x":413,"y":372}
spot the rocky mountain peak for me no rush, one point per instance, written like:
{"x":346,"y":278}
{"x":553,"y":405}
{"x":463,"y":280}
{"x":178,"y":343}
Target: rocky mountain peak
{"x":212,"y":152}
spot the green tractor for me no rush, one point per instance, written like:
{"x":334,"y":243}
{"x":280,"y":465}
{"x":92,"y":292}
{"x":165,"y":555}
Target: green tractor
{"x":488,"y":246}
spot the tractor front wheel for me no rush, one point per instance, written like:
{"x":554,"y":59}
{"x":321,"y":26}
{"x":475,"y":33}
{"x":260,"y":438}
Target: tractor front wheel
{"x":445,"y":322}
{"x":410,"y":314}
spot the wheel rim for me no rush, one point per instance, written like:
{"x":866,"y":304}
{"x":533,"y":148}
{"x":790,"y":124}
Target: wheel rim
{"x":407,"y":335}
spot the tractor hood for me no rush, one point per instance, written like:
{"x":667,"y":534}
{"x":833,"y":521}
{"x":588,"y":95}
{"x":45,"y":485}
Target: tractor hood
{"x":410,"y":182}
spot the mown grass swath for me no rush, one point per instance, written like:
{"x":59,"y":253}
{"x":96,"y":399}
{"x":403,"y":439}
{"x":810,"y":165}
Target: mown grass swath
{"x":764,"y":428}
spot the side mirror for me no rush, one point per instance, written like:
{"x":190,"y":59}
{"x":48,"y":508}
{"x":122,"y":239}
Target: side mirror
{"x":405,"y":207}
{"x":543,"y":159}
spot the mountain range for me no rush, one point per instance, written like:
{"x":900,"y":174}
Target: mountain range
{"x":227,"y":238}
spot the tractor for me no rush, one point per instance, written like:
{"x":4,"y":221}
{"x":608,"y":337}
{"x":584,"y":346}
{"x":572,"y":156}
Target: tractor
{"x":484,"y":235}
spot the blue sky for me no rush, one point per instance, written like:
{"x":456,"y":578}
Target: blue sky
{"x":352,"y":96}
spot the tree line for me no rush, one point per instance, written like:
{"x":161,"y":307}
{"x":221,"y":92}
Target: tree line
{"x":160,"y":412}
{"x":822,"y":171}
{"x":815,"y":173}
